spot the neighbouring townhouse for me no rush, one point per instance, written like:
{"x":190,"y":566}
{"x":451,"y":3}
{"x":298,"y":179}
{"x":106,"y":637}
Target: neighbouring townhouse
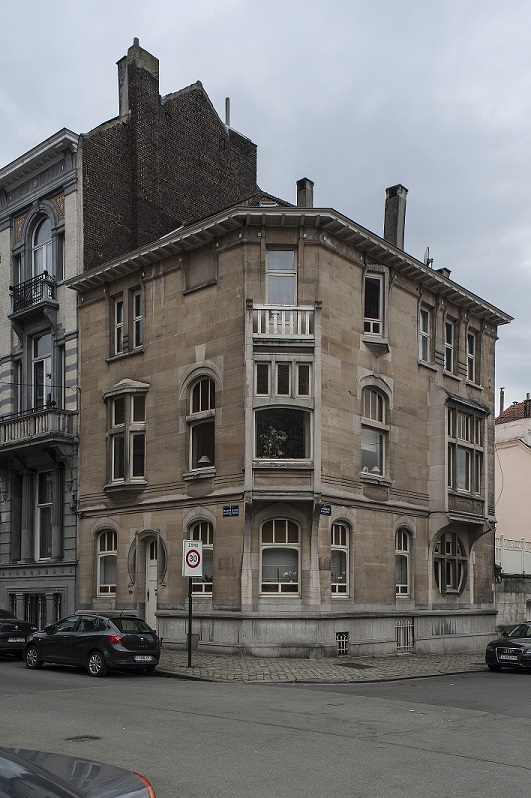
{"x":311,"y":403}
{"x":513,"y":512}
{"x":71,"y":203}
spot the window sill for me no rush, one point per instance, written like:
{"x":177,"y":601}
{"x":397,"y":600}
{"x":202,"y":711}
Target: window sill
{"x":138,"y":351}
{"x":128,"y":487}
{"x":375,"y":479}
{"x":427,"y":365}
{"x":284,"y":464}
{"x":451,"y":375}
{"x":200,"y":473}
{"x":376,"y":342}
{"x":475,"y":385}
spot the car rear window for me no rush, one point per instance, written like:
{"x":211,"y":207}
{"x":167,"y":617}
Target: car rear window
{"x":131,"y":625}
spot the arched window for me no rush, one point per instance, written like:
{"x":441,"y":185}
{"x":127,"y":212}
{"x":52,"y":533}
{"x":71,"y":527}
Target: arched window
{"x":402,"y":562}
{"x":374,"y":431}
{"x":106,"y":567}
{"x":41,"y":250}
{"x":339,"y":559}
{"x":204,"y":531}
{"x":450,"y":563}
{"x":280,"y":551}
{"x":201,"y":423}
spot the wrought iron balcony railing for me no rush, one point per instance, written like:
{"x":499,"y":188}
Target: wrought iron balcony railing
{"x":32,"y":292}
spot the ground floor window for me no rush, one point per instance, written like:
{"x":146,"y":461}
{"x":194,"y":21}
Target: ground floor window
{"x":450,"y":563}
{"x":107,"y":554}
{"x":280,"y":553}
{"x":204,"y":531}
{"x":402,"y":564}
{"x":339,"y":567}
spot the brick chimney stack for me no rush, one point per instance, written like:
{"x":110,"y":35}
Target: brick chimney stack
{"x":142,"y":60}
{"x":305,"y":193}
{"x":395,"y":215}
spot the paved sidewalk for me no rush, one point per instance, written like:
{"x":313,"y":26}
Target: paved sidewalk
{"x":221,"y":667}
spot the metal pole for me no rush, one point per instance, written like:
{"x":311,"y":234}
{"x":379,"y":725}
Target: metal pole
{"x":189,"y":621}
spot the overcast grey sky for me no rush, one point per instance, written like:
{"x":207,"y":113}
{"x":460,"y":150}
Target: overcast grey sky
{"x":355,"y":94}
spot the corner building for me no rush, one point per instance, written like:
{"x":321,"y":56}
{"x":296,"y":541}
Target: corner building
{"x":72,"y":202}
{"x":315,"y":406}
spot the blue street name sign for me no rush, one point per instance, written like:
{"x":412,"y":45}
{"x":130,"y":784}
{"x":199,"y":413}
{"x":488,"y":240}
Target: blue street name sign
{"x":326,"y":509}
{"x":230,"y":510}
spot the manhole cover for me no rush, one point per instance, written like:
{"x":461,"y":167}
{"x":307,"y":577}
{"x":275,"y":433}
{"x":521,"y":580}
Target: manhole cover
{"x":81,"y":737}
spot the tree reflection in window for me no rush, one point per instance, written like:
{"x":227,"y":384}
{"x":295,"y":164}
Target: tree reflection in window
{"x":282,"y":433}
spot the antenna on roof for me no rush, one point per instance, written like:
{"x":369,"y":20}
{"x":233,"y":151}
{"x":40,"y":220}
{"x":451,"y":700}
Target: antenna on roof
{"x":427,"y":260}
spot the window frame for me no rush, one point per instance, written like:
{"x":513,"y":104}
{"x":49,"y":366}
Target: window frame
{"x":127,"y":322}
{"x":450,"y":564}
{"x":471,"y":356}
{"x":43,"y":537}
{"x":289,"y":584}
{"x":281,"y":274}
{"x":465,"y":447}
{"x":403,"y":546}
{"x":110,"y":536}
{"x":201,"y":419}
{"x":126,"y":430}
{"x":374,"y":322}
{"x":203,"y":530}
{"x":374,"y":431}
{"x":425,"y":333}
{"x":340,"y":544}
{"x":449,"y":345}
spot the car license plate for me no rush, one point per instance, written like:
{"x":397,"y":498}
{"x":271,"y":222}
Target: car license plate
{"x":16,"y":640}
{"x":509,"y":657}
{"x":142,"y":658}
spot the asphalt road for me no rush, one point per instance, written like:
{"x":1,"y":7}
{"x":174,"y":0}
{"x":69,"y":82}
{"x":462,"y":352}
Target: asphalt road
{"x":466,"y":735}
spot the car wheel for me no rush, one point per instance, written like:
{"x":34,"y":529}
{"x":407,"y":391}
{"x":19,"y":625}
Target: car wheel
{"x":96,"y":664}
{"x":33,"y":661}
{"x":495,"y":668}
{"x":149,"y":671}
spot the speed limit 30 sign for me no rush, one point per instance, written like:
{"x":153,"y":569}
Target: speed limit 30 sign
{"x":192,"y":558}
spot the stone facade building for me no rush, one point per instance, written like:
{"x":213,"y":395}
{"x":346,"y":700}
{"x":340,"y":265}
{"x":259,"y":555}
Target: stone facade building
{"x":312,"y":404}
{"x":71,"y":203}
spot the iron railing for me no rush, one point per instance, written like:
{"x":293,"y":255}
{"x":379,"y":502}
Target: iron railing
{"x":32,"y":292}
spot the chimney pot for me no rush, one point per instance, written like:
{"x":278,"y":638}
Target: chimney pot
{"x":395,"y":215}
{"x":305,"y":193}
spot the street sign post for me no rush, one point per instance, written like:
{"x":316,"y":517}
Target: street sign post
{"x":192,"y":566}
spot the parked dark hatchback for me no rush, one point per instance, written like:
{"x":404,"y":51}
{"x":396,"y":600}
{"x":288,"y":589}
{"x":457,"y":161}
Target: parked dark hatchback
{"x":13,"y":633}
{"x":97,"y":642}
{"x":512,"y":650}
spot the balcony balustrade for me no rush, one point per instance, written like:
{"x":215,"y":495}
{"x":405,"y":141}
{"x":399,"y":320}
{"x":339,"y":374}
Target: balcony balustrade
{"x":47,"y":423}
{"x":272,"y":321}
{"x":33,"y":292}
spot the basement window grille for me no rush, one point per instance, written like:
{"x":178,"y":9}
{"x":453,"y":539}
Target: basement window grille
{"x":405,"y":636}
{"x":342,"y":643}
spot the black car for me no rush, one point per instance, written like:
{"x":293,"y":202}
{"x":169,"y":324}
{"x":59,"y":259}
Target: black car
{"x":13,"y":633}
{"x":26,"y":773}
{"x":97,"y":642}
{"x":512,"y":650}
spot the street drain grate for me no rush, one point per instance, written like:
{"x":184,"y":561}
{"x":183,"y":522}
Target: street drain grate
{"x":81,"y":737}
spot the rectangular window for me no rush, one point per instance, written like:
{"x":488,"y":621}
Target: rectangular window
{"x":281,"y":277}
{"x":118,"y":326}
{"x":42,"y":370}
{"x":283,"y":379}
{"x":373,"y":304}
{"x":303,"y":383}
{"x":449,"y":335}
{"x":138,"y":320}
{"x":425,"y":335}
{"x":262,"y":379}
{"x":44,"y":515}
{"x":128,"y":437}
{"x":289,"y":379}
{"x":471,"y":340}
{"x":465,"y":451}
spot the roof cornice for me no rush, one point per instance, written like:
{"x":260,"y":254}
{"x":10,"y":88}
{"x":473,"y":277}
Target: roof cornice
{"x":327,"y":220}
{"x":45,"y":152}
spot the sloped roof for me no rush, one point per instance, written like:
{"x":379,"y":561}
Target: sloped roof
{"x":515,"y":411}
